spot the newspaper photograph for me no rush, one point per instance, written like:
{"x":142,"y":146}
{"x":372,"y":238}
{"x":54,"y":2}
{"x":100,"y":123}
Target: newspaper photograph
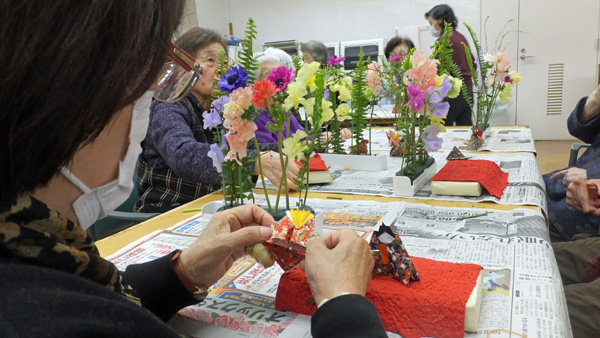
{"x":522,"y":289}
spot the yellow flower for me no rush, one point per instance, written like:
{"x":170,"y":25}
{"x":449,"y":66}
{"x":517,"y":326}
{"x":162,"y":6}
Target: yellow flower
{"x":456,"y":85}
{"x":293,"y":146}
{"x":306,"y":73}
{"x":439,"y":121}
{"x":506,"y":92}
{"x":343,"y":87}
{"x":326,"y":115}
{"x":440,"y":79}
{"x":515,"y":76}
{"x":343,"y":111}
{"x":296,"y":92}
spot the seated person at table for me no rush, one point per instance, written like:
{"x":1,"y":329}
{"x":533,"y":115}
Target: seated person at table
{"x":579,"y":263}
{"x":90,"y":118}
{"x":268,"y":60}
{"x":398,"y":46}
{"x":174,"y":167}
{"x":566,"y":222}
{"x":314,"y":51}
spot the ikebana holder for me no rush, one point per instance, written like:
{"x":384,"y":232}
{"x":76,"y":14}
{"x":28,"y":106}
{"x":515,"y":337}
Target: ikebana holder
{"x":375,"y":162}
{"x":404,"y":186}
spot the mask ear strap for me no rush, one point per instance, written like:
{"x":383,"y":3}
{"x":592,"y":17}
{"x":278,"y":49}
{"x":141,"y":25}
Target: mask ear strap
{"x":73,"y":179}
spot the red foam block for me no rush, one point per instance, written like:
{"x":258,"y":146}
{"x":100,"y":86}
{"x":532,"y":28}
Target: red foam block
{"x":432,"y":307}
{"x":316,"y":163}
{"x":486,"y":173}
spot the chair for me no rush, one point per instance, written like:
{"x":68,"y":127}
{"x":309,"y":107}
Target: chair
{"x":122,"y":218}
{"x":575,"y":152}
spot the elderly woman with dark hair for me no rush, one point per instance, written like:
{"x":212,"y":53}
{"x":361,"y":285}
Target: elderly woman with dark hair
{"x":398,"y":46}
{"x":75,"y":96}
{"x":314,"y":51}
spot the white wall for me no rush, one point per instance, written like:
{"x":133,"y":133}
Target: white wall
{"x":327,"y":21}
{"x":213,"y":14}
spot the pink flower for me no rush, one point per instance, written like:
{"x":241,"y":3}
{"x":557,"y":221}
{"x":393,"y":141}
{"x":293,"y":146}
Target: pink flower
{"x":281,"y":77}
{"x":423,"y":72}
{"x":415,"y":97}
{"x":502,"y":64}
{"x":333,"y":61}
{"x":239,"y":102}
{"x":373,"y":77}
{"x":241,"y":132}
{"x":396,"y":58}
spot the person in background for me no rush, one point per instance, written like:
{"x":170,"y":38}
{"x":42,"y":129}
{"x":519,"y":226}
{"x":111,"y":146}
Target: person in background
{"x":314,"y":51}
{"x":72,"y":128}
{"x":398,"y":46}
{"x":460,"y":111}
{"x":174,"y":167}
{"x":268,"y":60}
{"x":565,"y":221}
{"x":579,"y":262}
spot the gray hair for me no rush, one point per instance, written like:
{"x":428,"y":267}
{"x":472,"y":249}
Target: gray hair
{"x":273,"y":55}
{"x":318,"y":51}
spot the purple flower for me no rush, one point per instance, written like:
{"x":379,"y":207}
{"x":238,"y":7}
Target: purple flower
{"x":433,"y":96}
{"x":235,"y":78}
{"x":432,"y":142}
{"x":217,"y":156}
{"x":333,"y":61}
{"x":281,"y":77}
{"x":218,"y":104}
{"x":415,"y":97}
{"x":509,"y":79}
{"x":444,"y":87}
{"x":440,"y":109}
{"x":211,"y":119}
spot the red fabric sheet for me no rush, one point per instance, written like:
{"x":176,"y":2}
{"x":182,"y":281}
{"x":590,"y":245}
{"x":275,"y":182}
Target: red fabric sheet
{"x":486,"y":173}
{"x":315,"y":164}
{"x":432,"y":307}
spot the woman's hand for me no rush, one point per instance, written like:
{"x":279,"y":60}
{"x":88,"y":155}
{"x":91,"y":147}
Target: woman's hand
{"x":338,"y":263}
{"x":223,"y":242}
{"x":591,"y":108}
{"x":583,"y":196}
{"x":271,"y":169}
{"x":570,"y":174}
{"x":327,"y":136}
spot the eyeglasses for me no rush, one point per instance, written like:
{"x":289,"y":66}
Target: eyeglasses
{"x":178,"y":76}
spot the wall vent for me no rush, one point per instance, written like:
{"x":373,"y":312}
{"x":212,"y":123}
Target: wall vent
{"x":554,"y":99}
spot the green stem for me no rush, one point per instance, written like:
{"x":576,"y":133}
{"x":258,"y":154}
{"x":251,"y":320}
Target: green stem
{"x":371,"y":127}
{"x":241,"y":178}
{"x":262,"y":177}
{"x":232,"y":184}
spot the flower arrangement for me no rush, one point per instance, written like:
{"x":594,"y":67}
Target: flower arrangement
{"x":419,"y":85}
{"x":237,"y":105}
{"x":492,"y":82}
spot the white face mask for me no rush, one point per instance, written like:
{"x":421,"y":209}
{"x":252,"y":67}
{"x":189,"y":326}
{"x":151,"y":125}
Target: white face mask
{"x":434,"y":31}
{"x":96,"y":203}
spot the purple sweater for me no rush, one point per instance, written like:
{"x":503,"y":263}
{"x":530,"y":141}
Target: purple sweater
{"x":263,"y":135}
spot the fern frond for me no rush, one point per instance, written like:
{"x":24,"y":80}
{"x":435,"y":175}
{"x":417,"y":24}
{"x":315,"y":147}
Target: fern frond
{"x":247,"y":60}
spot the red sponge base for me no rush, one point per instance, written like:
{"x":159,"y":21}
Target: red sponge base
{"x":432,"y":307}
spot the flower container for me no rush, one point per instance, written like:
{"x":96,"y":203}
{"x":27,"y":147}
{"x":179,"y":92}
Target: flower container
{"x":211,"y":208}
{"x":376,"y":162}
{"x":408,"y":186}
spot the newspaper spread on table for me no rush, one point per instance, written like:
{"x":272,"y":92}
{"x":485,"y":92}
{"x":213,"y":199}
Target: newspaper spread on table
{"x":498,"y":140}
{"x":525,"y":183}
{"x":522,"y":289}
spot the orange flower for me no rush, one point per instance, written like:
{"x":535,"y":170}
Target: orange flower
{"x":263,"y":92}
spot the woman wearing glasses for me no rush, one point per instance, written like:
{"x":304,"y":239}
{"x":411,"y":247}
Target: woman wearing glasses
{"x":174,"y":167}
{"x":75,"y":103}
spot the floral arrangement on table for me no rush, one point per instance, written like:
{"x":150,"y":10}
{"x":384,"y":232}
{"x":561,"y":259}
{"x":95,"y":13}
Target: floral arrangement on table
{"x":418,"y":85}
{"x":492,"y":81}
{"x":235,"y":108}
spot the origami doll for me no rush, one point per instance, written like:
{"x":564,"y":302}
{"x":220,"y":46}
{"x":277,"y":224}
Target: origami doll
{"x":391,"y":258}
